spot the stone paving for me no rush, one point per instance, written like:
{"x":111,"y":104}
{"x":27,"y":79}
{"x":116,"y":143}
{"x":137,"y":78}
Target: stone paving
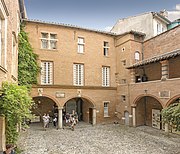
{"x":99,"y":139}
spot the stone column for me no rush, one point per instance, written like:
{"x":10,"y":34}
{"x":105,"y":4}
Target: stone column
{"x":134,"y":116}
{"x":166,"y":128}
{"x":133,"y":76}
{"x":94,"y":117}
{"x":60,"y":122}
{"x":164,"y":69}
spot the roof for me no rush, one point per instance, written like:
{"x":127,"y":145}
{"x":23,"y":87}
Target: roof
{"x":166,"y":20}
{"x":77,"y":27}
{"x":68,"y":26}
{"x":154,"y":59}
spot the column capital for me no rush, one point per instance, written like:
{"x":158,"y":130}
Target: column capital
{"x":60,"y":107}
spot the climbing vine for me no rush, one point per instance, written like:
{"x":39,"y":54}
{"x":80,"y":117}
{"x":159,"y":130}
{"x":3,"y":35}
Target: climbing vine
{"x":15,"y":104}
{"x":28,"y":68}
{"x":171,"y":115}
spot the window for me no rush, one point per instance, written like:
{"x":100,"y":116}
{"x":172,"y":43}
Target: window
{"x":14,"y":57}
{"x":48,"y":41}
{"x":46,"y":72}
{"x":123,"y":49}
{"x":123,"y":81}
{"x":123,"y":98}
{"x":78,"y":74}
{"x":159,"y":28}
{"x":106,"y":113}
{"x":123,"y":62}
{"x":80,"y":45}
{"x":3,"y":35}
{"x":137,"y":56}
{"x":53,"y":41}
{"x":105,"y":76}
{"x":106,"y":48}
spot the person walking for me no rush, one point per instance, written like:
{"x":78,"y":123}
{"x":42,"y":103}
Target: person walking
{"x":55,"y":121}
{"x":73,"y":122}
{"x":45,"y":121}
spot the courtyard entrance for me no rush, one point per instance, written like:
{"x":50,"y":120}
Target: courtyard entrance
{"x":148,"y":111}
{"x":82,"y":107}
{"x":43,"y":105}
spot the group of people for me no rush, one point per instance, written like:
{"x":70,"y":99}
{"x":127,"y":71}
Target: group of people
{"x":71,"y":120}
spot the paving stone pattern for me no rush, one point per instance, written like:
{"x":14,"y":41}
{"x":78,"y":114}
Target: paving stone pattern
{"x":99,"y":139}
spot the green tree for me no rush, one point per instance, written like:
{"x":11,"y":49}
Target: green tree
{"x":171,"y":115}
{"x":27,"y":61}
{"x":15,"y":104}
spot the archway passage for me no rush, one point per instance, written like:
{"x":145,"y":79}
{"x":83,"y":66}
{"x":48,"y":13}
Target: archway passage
{"x":43,"y":105}
{"x":82,"y":107}
{"x":148,"y":111}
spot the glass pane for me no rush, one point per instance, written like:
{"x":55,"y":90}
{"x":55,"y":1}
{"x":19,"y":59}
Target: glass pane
{"x":44,"y":35}
{"x":81,"y":40}
{"x":44,"y":44}
{"x":53,"y":44}
{"x":52,"y":36}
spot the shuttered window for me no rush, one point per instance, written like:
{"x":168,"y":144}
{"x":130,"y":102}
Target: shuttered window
{"x":105,"y":76}
{"x":78,"y":74}
{"x":46,"y":72}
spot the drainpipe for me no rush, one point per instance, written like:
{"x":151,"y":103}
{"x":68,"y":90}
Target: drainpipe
{"x":145,"y":111}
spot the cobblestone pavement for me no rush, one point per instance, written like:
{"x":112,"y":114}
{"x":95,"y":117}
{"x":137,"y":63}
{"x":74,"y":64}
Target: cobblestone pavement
{"x":99,"y":139}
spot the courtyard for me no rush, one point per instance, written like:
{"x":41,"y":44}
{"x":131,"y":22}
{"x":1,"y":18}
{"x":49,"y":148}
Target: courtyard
{"x":99,"y":139}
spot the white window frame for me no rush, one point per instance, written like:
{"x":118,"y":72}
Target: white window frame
{"x":105,"y":76}
{"x":51,"y":43}
{"x":3,"y":36}
{"x":46,"y":72}
{"x":137,"y":56}
{"x":78,"y":74}
{"x":159,"y":28}
{"x":105,"y":48}
{"x":81,"y":45}
{"x":106,"y":108}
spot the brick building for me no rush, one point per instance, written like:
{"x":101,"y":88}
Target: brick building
{"x":102,"y":76}
{"x":10,"y":15}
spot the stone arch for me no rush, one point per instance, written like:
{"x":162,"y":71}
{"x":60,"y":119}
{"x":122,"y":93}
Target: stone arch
{"x":172,"y":100}
{"x":146,"y":95}
{"x":44,"y":104}
{"x":83,"y":106}
{"x":48,"y":96}
{"x":148,"y":108}
{"x":82,"y":97}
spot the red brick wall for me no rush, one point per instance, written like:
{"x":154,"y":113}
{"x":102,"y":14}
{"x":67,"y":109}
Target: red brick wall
{"x":165,"y":42}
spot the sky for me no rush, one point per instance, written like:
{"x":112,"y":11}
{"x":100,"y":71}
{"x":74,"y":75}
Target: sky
{"x":93,"y":14}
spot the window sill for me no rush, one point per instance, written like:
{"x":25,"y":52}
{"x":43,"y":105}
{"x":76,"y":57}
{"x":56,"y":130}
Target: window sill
{"x":49,"y":49}
{"x":106,"y":116}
